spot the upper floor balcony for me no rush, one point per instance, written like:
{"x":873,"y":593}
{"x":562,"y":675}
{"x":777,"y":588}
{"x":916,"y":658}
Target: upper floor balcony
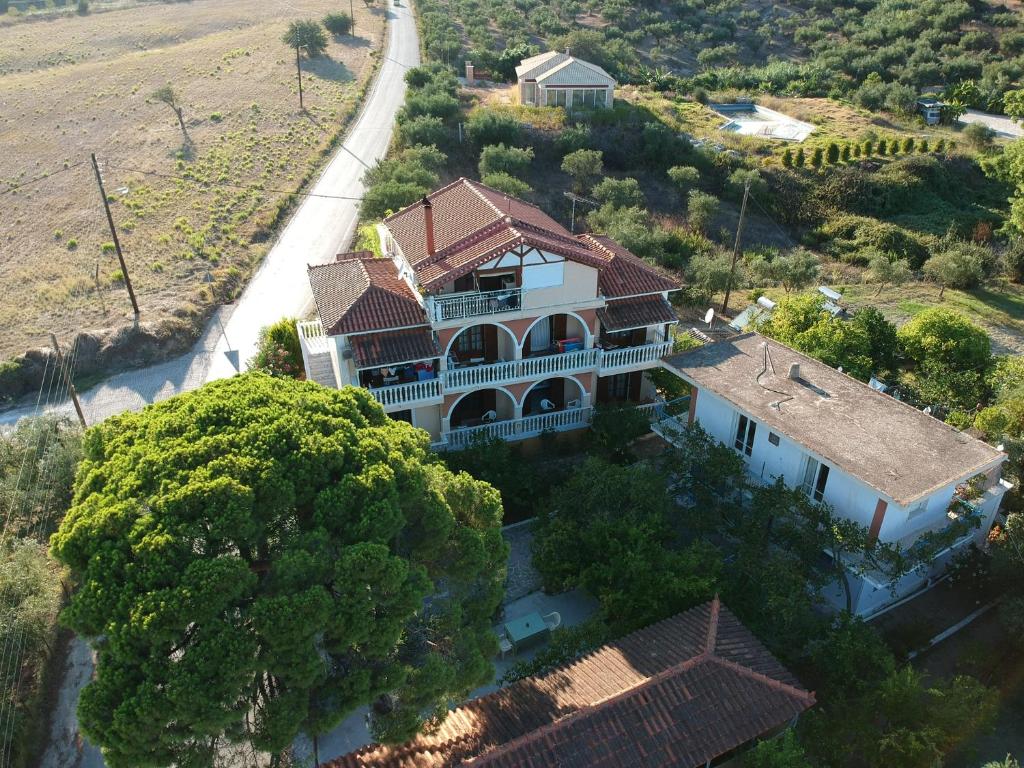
{"x":458,"y":306}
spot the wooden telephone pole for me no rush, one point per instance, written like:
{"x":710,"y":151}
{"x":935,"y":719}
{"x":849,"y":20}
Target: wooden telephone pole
{"x":113,"y":236}
{"x":298,"y":66}
{"x":736,"y":248}
{"x":67,"y":380}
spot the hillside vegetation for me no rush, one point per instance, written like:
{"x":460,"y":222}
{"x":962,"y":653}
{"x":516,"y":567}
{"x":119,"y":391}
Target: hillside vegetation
{"x":878,"y":51}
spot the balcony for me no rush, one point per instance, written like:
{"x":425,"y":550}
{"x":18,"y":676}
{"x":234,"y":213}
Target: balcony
{"x":626,"y":359}
{"x":520,"y":429}
{"x":521,"y":370}
{"x":473,"y":303}
{"x":412,"y":395}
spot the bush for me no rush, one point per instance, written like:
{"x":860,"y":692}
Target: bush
{"x":701,"y":209}
{"x":585,"y":166}
{"x":573,"y":138}
{"x":278,"y":351}
{"x":338,"y":23}
{"x":485,"y":127}
{"x":510,"y":185}
{"x":979,"y":136}
{"x":619,"y":193}
{"x":511,"y":161}
{"x":1014,"y":260}
{"x":421,"y":130}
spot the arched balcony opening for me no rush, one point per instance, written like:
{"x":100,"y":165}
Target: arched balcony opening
{"x":483,"y":406}
{"x":554,"y":334}
{"x":559,"y":393}
{"x":481,"y":344}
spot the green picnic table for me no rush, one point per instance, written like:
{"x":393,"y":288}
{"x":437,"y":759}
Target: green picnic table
{"x":526,"y":631}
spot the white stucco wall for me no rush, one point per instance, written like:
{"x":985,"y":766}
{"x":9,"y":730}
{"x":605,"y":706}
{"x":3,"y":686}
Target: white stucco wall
{"x":579,"y":284}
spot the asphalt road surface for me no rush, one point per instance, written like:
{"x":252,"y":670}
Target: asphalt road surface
{"x":317,"y":231}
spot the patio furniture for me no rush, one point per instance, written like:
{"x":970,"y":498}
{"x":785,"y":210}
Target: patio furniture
{"x":527,"y":631}
{"x":504,"y":645}
{"x":488,"y":417}
{"x":574,"y":403}
{"x":547,"y":405}
{"x":553,"y":620}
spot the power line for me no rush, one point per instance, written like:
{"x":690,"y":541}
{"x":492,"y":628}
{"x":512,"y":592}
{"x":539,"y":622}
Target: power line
{"x":186,"y":179}
{"x":37,"y":179}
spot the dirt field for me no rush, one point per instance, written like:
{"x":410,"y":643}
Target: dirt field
{"x":193,"y":211}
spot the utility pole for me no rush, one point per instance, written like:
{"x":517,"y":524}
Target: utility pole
{"x":67,"y":378}
{"x":113,"y":235}
{"x":736,"y":247}
{"x":298,"y":66}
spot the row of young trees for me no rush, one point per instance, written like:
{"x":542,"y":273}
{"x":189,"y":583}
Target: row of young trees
{"x":847,"y":152}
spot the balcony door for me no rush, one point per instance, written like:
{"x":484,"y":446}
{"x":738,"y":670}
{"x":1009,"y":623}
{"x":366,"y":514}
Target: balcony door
{"x":477,"y":344}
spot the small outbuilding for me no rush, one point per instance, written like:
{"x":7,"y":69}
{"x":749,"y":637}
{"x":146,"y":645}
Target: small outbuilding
{"x":556,"y":79}
{"x":931,"y":109}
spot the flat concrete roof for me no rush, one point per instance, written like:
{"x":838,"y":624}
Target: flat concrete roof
{"x":891,"y":446}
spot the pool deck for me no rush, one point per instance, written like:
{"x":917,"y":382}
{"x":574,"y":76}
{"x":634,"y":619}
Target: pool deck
{"x":753,"y":120}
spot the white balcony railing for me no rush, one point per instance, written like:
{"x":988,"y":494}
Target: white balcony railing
{"x":629,"y":357}
{"x":407,"y":395}
{"x":514,"y":370}
{"x":312,"y":336}
{"x":518,"y":429}
{"x":474,"y":303}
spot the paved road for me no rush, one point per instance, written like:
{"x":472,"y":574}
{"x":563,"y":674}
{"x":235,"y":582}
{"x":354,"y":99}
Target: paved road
{"x":318,"y":229}
{"x":1004,"y":127}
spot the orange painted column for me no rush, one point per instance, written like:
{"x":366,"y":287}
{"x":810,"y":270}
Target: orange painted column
{"x":877,"y":520}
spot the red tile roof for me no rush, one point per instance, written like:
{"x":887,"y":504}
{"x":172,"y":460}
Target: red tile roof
{"x":359,"y":293}
{"x":372,"y":350}
{"x":474,"y":224}
{"x":623,"y":314}
{"x":626,"y":274}
{"x":677,"y":693}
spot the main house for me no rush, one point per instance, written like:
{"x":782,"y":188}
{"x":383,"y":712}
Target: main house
{"x":487,"y":317}
{"x":556,"y":79}
{"x":896,"y":470}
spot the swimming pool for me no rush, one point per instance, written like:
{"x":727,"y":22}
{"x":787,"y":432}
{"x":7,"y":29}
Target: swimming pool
{"x":752,"y":120}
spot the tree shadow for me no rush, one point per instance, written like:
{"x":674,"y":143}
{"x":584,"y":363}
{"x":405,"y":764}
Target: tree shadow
{"x":353,"y":41}
{"x":186,"y":152}
{"x":329,"y":69}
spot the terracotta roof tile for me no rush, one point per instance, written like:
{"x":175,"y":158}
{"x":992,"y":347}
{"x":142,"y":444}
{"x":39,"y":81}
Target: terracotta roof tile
{"x":359,"y":293}
{"x":474,"y":223}
{"x":626,"y":274}
{"x":372,"y":350}
{"x":678,"y":693}
{"x":624,"y":314}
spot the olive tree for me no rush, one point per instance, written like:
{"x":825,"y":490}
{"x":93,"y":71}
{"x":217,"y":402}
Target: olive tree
{"x":262,"y":556}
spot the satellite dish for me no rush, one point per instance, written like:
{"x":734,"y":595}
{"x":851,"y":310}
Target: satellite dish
{"x":709,"y":316}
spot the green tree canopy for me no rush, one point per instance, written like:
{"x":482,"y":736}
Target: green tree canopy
{"x":955,"y":268}
{"x":607,"y":529}
{"x":952,"y":357}
{"x":619,"y":193}
{"x":585,"y":166}
{"x":886,"y":270}
{"x":262,"y":556}
{"x":499,"y":158}
{"x":307,"y":35}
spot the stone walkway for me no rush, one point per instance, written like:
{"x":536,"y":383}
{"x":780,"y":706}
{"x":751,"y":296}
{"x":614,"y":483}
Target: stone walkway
{"x":522,"y":577}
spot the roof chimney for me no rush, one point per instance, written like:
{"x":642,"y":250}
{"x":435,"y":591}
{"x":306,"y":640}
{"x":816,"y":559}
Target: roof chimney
{"x":794,"y":371}
{"x":567,"y":50}
{"x":428,"y":223}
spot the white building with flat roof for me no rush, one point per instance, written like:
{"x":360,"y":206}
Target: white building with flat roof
{"x":874,"y":459}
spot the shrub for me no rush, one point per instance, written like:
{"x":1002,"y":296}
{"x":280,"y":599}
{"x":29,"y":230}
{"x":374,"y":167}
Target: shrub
{"x":278,"y":351}
{"x":422,"y":129}
{"x":817,"y":157}
{"x":787,"y":158}
{"x":485,"y":127}
{"x":979,"y":136}
{"x":844,"y":155}
{"x":510,"y":161}
{"x":573,"y":138}
{"x":1014,"y":260}
{"x":585,"y":166}
{"x":684,"y":177}
{"x":799,"y":160}
{"x":908,"y":145}
{"x":620,"y":193}
{"x":510,"y":185}
{"x":435,"y":103}
{"x":832,"y":154}
{"x":338,"y":23}
{"x":701,"y":209}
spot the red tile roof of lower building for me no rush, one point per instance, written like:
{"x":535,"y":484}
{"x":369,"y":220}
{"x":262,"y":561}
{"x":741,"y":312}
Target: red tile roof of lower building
{"x":677,"y":693}
{"x":626,"y":273}
{"x":358,"y":293}
{"x":372,"y":350}
{"x":624,"y":314}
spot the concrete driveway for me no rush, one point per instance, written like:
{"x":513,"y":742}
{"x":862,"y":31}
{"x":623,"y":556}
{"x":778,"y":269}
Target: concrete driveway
{"x":317,"y":231}
{"x":1003,"y":126}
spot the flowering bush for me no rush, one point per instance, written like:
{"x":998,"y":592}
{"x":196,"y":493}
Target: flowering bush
{"x":278,"y":352}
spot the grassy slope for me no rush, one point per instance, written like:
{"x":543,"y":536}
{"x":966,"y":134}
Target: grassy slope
{"x":79,"y":84}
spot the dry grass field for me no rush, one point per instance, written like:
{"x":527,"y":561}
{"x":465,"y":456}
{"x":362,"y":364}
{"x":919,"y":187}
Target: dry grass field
{"x":194,"y":212}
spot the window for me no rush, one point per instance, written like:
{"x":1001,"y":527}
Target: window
{"x":618,"y":387}
{"x":471,"y":342}
{"x":745,"y":430}
{"x":815,"y":479}
{"x":773,"y":438}
{"x":577,"y":97}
